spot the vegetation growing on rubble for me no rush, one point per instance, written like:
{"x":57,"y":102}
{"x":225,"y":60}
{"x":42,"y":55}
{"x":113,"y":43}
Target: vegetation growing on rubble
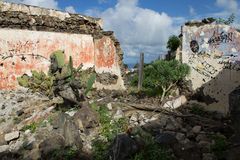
{"x":109,"y":128}
{"x":162,"y":76}
{"x":227,"y":21}
{"x":60,"y":73}
{"x":38,"y":82}
{"x":219,"y":146}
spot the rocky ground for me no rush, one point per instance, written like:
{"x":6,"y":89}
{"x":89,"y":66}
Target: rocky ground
{"x":34,"y":126}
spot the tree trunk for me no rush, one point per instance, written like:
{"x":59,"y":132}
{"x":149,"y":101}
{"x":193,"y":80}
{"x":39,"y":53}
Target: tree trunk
{"x":163,"y":94}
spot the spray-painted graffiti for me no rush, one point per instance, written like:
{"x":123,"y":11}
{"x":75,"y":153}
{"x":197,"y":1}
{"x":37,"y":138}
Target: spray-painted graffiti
{"x":194,"y":46}
{"x":213,"y":53}
{"x":222,"y":37}
{"x":22,"y":51}
{"x":201,"y":53}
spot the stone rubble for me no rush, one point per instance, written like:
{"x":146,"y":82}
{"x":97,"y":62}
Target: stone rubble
{"x":78,"y":127}
{"x":11,"y":136}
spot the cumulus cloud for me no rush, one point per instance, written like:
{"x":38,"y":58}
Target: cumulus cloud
{"x":41,"y":3}
{"x":138,"y":29}
{"x":70,"y":9}
{"x":229,"y":5}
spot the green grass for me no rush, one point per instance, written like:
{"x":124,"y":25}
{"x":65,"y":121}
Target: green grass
{"x":32,"y":127}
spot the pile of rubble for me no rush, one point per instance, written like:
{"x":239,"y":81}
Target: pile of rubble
{"x":34,"y":127}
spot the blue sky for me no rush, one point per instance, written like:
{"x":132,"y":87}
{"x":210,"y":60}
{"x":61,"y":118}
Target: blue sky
{"x":144,"y":25}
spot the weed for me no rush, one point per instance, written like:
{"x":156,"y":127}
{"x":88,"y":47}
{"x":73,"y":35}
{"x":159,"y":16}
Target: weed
{"x":2,"y":120}
{"x":198,"y":110}
{"x":43,"y":123}
{"x":32,"y":127}
{"x":152,"y":150}
{"x":16,"y":120}
{"x":219,"y":146}
{"x":50,"y":120}
{"x":109,"y":128}
{"x":64,"y":154}
{"x":100,"y":149}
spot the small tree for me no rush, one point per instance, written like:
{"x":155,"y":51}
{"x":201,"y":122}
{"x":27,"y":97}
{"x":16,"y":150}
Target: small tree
{"x":164,"y":75}
{"x":173,"y":43}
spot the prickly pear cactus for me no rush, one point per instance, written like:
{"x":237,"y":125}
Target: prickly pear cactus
{"x":59,"y":57}
{"x":23,"y":80}
{"x":38,"y":82}
{"x":90,"y":83}
{"x":59,"y":73}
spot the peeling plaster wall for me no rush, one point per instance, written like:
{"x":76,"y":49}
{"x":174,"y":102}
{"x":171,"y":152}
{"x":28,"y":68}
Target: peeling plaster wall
{"x":213,"y":53}
{"x":30,"y":34}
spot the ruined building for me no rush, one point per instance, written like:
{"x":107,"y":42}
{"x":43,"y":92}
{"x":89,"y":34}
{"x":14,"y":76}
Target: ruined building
{"x":30,"y":34}
{"x":213,"y":53}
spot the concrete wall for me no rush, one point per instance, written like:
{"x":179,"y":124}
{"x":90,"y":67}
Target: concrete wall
{"x":213,"y":53}
{"x":30,"y":34}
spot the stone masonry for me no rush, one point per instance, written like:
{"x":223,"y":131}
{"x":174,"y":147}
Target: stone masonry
{"x":30,"y":34}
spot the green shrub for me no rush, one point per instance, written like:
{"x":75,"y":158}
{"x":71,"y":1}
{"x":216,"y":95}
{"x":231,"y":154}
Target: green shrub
{"x":173,"y":43}
{"x":164,"y":75}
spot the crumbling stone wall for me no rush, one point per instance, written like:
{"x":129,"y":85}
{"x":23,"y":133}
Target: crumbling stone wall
{"x":30,"y":34}
{"x":213,"y":53}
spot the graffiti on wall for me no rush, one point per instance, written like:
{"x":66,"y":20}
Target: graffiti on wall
{"x":213,"y":53}
{"x":194,"y":46}
{"x":222,"y":37}
{"x":216,"y":44}
{"x":22,"y":51}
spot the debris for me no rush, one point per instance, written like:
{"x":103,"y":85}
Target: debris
{"x":11,"y":136}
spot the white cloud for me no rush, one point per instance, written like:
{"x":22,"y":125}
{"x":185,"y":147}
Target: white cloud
{"x":192,"y":11}
{"x":41,"y":3}
{"x":70,"y":9}
{"x":138,"y":29}
{"x":229,"y":5}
